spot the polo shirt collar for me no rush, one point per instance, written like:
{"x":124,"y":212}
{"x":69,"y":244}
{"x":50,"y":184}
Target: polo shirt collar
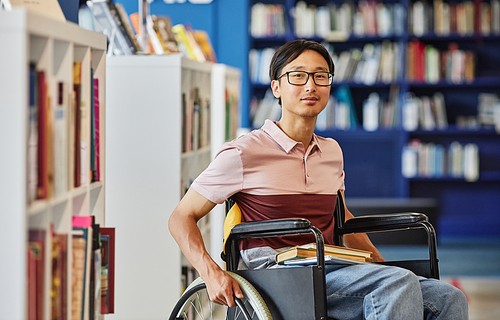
{"x":271,"y":128}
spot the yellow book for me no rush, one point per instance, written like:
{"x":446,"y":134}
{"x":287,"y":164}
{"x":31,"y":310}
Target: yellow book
{"x":309,"y":251}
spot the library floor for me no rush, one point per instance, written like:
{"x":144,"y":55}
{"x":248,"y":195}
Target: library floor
{"x":474,"y":268}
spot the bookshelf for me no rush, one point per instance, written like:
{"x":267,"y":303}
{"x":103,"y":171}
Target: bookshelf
{"x":149,"y":170}
{"x":412,"y":22}
{"x":226,"y":100}
{"x":52,"y":48}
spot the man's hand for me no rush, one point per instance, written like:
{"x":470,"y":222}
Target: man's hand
{"x":222,"y":287}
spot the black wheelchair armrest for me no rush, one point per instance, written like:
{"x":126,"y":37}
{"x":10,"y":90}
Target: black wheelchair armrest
{"x":270,"y":228}
{"x":382,"y":222}
{"x":270,"y":225}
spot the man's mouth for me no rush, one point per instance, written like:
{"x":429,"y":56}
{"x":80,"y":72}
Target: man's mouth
{"x":310,"y":99}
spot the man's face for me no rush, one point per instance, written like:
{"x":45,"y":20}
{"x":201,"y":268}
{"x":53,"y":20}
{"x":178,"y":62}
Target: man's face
{"x":303,"y":100}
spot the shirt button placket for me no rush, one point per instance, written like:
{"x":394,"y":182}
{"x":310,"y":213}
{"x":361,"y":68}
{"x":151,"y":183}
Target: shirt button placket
{"x":306,"y":173}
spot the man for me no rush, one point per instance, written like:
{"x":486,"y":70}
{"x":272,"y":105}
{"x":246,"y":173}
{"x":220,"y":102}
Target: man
{"x":285,"y":170}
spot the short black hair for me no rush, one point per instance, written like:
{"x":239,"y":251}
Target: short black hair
{"x":291,"y":50}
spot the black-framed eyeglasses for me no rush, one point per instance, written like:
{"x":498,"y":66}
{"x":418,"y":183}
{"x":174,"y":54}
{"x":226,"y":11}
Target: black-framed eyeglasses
{"x":300,"y":78}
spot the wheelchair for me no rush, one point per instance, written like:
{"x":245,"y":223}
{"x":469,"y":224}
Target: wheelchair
{"x":295,"y":293}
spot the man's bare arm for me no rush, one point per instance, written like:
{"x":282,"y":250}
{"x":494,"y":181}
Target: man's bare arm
{"x":183,"y":227}
{"x":360,"y":240}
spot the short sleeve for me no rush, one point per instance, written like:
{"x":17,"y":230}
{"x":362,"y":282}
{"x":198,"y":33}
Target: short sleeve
{"x":223,"y":177}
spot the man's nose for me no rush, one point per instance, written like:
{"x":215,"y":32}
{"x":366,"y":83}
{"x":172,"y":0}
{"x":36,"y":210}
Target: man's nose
{"x":310,"y":85}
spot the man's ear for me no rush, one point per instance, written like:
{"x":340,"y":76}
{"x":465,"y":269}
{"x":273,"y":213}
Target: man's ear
{"x":275,"y":85}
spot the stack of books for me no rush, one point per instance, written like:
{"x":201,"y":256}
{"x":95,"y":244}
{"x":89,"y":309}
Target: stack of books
{"x":306,"y":254}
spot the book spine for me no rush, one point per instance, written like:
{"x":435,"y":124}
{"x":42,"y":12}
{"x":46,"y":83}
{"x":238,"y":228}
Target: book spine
{"x":97,"y":136}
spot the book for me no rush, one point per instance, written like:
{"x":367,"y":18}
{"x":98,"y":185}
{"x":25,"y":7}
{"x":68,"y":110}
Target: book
{"x":43,"y":191}
{"x":309,"y":251}
{"x":188,"y":45}
{"x":108,"y":270}
{"x":156,"y":40}
{"x":84,"y":224}
{"x":205,"y":44}
{"x":340,"y":250}
{"x":163,"y":27}
{"x":146,"y":47}
{"x":130,"y":40}
{"x":118,"y":43}
{"x":92,"y":127}
{"x":95,"y":273}
{"x":32,"y":152}
{"x":77,"y":71}
{"x":313,"y":261}
{"x":60,"y":140}
{"x":95,"y":138}
{"x":129,"y":31}
{"x":77,"y":273}
{"x":59,"y":285}
{"x":36,"y":273}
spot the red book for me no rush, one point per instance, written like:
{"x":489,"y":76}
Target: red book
{"x":42,"y":136}
{"x":420,"y":62}
{"x":36,"y":273}
{"x":108,"y":257}
{"x":478,"y":6}
{"x":96,"y":130}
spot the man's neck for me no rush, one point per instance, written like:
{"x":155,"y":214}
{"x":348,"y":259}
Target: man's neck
{"x":301,"y":131}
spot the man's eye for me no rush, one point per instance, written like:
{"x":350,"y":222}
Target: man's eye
{"x":320,"y":76}
{"x":297,"y":75}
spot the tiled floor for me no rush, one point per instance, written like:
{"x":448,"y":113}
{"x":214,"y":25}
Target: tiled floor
{"x":472,"y":267}
{"x":483,"y":295}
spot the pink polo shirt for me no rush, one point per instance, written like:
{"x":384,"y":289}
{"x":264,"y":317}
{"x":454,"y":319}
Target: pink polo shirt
{"x":272,"y":176}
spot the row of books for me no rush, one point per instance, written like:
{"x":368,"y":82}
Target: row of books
{"x":159,"y":37}
{"x":425,"y":63}
{"x":427,"y":113}
{"x":91,"y":267}
{"x":265,"y":108}
{"x":488,"y":110}
{"x":376,"y":62}
{"x":195,"y":121}
{"x":488,"y":114}
{"x":232,"y":98}
{"x":58,"y":150}
{"x":430,"y":160}
{"x":307,"y":253}
{"x":267,"y":20}
{"x":258,"y":65}
{"x":339,"y":21}
{"x":339,"y":113}
{"x":463,"y":18}
{"x":377,"y":113}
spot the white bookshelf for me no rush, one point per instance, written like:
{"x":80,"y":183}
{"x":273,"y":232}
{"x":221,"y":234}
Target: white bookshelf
{"x":226,"y":100}
{"x":52,"y":47}
{"x":147,"y":173}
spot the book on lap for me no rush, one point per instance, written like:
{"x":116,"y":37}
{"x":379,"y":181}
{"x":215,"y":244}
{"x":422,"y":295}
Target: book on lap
{"x":314,"y":261}
{"x":309,"y":251}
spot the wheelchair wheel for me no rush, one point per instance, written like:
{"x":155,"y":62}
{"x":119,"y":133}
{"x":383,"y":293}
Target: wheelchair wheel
{"x":194,"y":304}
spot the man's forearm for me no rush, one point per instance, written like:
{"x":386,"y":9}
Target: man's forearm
{"x":361,"y":241}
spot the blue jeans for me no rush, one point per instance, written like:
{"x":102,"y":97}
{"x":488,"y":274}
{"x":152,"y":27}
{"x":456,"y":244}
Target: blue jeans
{"x":370,"y":291}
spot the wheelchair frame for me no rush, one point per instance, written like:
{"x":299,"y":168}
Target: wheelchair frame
{"x":310,"y":280}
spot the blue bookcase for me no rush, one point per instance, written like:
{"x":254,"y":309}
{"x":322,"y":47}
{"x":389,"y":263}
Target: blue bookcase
{"x":373,"y":159}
